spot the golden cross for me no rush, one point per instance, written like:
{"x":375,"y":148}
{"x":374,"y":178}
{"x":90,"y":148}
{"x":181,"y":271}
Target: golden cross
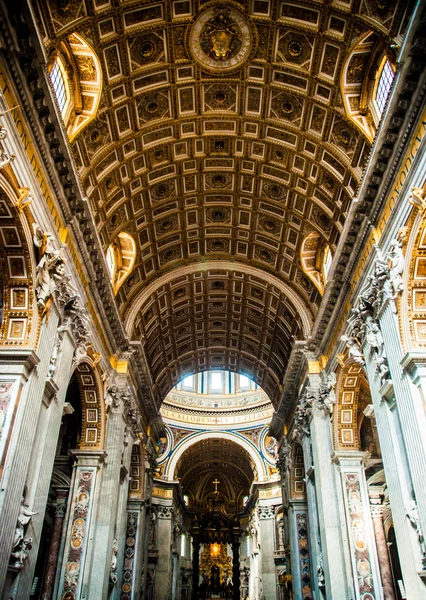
{"x":216,"y":483}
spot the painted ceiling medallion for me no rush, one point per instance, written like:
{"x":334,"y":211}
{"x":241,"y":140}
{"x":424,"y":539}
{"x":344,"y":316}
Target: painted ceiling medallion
{"x":221,"y":39}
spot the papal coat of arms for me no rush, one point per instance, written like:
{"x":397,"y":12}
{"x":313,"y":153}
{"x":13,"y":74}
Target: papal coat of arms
{"x":221,"y":38}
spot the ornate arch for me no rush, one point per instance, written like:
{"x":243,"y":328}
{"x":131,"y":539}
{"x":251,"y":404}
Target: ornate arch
{"x":413,"y":299}
{"x":237,"y":439}
{"x":18,"y":324}
{"x":92,"y":407}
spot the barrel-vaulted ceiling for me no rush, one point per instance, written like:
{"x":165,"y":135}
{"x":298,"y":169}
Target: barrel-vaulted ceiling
{"x":222,"y":139}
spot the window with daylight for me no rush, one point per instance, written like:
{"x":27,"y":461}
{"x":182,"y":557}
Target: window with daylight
{"x":57,"y":77}
{"x":328,"y":261}
{"x":216,"y":382}
{"x":120,"y":259}
{"x":244,"y":382}
{"x":188,"y":382}
{"x":384,"y":86}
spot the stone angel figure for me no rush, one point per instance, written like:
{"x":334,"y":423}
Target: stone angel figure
{"x":113,"y":572}
{"x":24,"y":518}
{"x":22,"y":551}
{"x":50,"y":269}
{"x":354,"y":350}
{"x":413,"y":514}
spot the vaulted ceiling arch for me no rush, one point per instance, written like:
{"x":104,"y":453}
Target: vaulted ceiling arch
{"x":221,"y":136}
{"x":218,"y":315}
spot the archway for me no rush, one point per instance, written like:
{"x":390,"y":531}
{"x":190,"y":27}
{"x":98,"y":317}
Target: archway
{"x":82,"y":429}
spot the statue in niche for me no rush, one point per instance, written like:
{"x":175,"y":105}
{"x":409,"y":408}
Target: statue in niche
{"x":396,"y":266}
{"x":152,"y":530}
{"x":21,"y":544}
{"x":413,"y":514}
{"x":254,"y":532}
{"x":21,"y":552}
{"x":320,"y":573}
{"x":113,"y":572}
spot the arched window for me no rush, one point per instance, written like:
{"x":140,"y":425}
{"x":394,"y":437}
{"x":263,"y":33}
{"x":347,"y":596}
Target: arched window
{"x":120,"y":259}
{"x":60,"y":85}
{"x":383,"y":87}
{"x":328,"y":261}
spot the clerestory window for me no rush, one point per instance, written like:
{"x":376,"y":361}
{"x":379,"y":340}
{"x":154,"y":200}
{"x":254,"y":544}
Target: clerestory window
{"x":57,"y":77}
{"x":384,"y":86}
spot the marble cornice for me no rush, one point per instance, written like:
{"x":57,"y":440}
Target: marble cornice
{"x":18,"y":361}
{"x":294,"y":372}
{"x":384,"y":160}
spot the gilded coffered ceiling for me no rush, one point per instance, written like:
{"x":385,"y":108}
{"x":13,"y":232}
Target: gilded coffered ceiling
{"x":226,"y":134}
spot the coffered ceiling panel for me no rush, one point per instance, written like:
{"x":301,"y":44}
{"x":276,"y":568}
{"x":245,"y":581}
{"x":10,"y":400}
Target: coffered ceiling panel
{"x":221,"y":134}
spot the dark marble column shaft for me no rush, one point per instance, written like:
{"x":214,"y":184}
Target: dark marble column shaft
{"x":236,"y":569}
{"x":52,"y":559}
{"x":195,"y":566}
{"x":383,"y":556}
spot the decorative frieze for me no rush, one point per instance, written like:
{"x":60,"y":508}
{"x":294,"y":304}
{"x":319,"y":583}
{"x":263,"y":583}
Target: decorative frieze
{"x":113,"y":571}
{"x":360,"y":539}
{"x":164,"y":512}
{"x":129,"y":555}
{"x":76,"y":543}
{"x":121,"y":400}
{"x":284,"y":457}
{"x":303,"y":552}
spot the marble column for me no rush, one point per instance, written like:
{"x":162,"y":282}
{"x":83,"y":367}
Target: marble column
{"x":16,"y":458}
{"x":301,"y":569}
{"x":314,"y":538}
{"x":108,"y":499}
{"x":350,"y":465}
{"x":55,"y":543}
{"x":78,"y":547}
{"x":330,"y":511}
{"x":397,"y":471}
{"x":195,"y":565}
{"x":44,"y":450}
{"x":267,"y":525}
{"x":163,"y":572}
{"x":382,"y":552}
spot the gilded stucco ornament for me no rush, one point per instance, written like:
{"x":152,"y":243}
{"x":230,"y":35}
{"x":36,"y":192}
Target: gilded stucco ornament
{"x":221,"y":39}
